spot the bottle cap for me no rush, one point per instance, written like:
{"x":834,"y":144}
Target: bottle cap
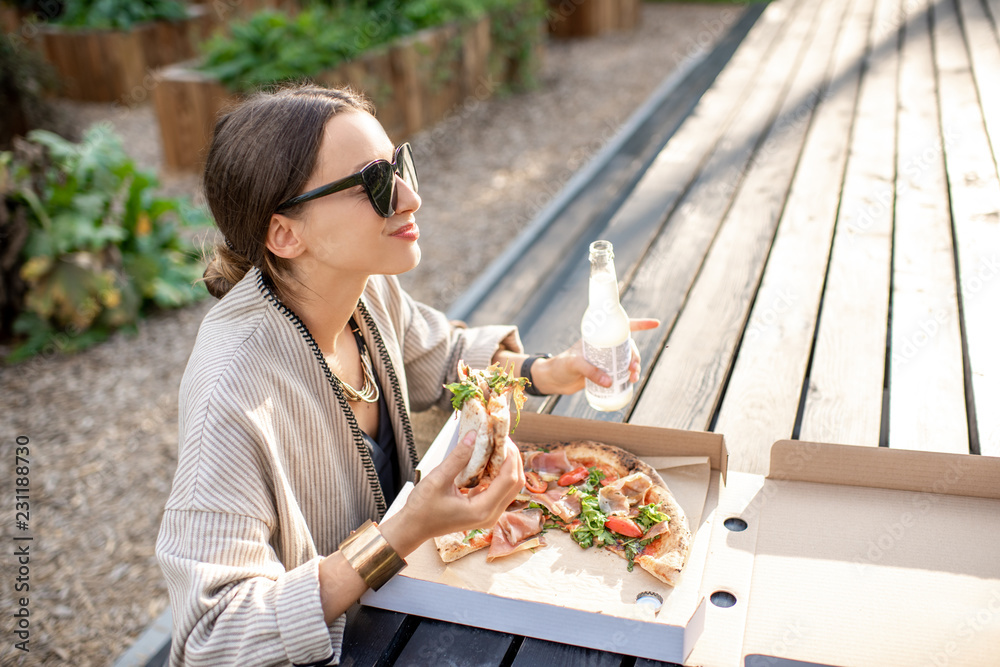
{"x":650,"y":600}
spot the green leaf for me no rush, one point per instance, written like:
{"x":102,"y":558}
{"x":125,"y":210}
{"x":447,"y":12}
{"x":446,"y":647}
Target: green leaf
{"x":463,"y":391}
{"x":103,"y":248}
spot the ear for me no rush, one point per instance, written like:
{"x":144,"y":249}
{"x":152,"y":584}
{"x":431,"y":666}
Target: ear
{"x":282,"y":237}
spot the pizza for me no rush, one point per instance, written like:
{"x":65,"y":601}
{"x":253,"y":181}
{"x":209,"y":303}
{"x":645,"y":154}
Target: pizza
{"x":483,"y":400}
{"x":601,"y":495}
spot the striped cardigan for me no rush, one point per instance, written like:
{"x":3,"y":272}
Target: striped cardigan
{"x":271,"y":477}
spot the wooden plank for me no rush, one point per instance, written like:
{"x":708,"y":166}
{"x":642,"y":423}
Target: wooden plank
{"x":975,"y":207}
{"x":440,"y":643}
{"x":550,"y":317}
{"x":984,"y":51}
{"x":845,"y":386}
{"x":527,"y":291}
{"x":761,"y":401}
{"x":684,"y":388}
{"x":374,"y":636}
{"x":926,"y":379}
{"x":99,"y":56}
{"x":129,"y":54}
{"x":993,"y":9}
{"x":534,"y":652}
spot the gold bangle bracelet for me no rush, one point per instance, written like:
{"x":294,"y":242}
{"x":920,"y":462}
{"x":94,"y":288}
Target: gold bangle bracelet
{"x":369,"y":553}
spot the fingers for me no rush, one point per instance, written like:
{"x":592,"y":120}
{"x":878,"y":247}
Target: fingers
{"x":593,"y":373}
{"x":635,"y":365}
{"x":455,"y":462}
{"x":503,"y":488}
{"x":643,"y":323}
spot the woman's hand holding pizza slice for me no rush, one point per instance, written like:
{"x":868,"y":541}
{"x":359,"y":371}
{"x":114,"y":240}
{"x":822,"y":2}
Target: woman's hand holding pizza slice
{"x":444,"y":508}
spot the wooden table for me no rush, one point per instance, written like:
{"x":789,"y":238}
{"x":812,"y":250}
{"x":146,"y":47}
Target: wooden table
{"x":821,"y":241}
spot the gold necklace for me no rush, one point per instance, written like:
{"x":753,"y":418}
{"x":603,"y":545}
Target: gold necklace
{"x":369,"y":390}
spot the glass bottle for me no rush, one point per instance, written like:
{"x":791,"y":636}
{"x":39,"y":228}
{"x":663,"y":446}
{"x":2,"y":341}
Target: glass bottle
{"x":607,"y":337}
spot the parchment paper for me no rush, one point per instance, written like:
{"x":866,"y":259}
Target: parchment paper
{"x":565,"y":574}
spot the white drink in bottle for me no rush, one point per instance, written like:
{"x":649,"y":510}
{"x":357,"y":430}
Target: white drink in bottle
{"x":607,"y":337}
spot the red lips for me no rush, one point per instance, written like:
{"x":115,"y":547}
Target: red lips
{"x":408,"y":232}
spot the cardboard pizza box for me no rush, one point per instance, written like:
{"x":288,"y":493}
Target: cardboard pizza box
{"x":564,"y":593}
{"x":858,"y":556}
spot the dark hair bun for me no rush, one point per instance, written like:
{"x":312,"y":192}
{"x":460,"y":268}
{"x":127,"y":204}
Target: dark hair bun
{"x":224,"y":270}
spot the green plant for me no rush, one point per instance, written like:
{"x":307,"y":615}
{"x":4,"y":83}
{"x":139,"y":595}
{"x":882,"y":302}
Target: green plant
{"x":103,"y":249}
{"x":119,"y":14}
{"x":271,"y":47}
{"x":517,"y":38}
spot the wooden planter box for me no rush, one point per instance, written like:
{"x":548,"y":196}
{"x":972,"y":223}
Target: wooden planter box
{"x":10,"y":19}
{"x":110,"y":65}
{"x":586,"y":18}
{"x":413,"y":83}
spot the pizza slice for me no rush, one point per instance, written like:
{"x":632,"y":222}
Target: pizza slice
{"x":516,"y":530}
{"x":606,"y":497}
{"x":483,"y":399}
{"x":456,"y":545}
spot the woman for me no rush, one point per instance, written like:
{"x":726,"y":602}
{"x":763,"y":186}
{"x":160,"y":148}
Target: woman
{"x":294,"y":426}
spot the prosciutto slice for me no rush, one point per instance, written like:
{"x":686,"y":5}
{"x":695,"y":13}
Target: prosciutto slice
{"x":564,"y":505}
{"x":548,"y":463}
{"x":662,"y":528}
{"x":516,"y":531}
{"x":621,"y":494}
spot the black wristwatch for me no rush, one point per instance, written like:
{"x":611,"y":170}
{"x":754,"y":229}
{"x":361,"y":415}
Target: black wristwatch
{"x":526,"y":373}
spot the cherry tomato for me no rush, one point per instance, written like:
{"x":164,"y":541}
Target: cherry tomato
{"x":623,"y":526}
{"x":534,"y":483}
{"x":574,"y":476}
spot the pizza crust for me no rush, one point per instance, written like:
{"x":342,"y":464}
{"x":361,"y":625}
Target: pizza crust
{"x":598,"y":454}
{"x":453,"y":546}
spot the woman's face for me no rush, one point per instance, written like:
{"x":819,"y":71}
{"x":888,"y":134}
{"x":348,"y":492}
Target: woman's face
{"x":341,"y":232}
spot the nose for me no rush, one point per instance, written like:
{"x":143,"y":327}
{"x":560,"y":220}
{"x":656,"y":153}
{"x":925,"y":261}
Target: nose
{"x":407,"y":200}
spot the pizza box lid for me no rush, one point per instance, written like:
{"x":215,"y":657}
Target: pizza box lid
{"x":563,"y":593}
{"x":859,"y":556}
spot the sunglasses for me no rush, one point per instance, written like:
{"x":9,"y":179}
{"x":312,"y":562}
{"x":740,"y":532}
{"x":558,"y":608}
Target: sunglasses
{"x":378,"y":179}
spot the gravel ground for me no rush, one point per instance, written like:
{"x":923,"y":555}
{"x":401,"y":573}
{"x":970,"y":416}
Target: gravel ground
{"x":102,"y":424}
